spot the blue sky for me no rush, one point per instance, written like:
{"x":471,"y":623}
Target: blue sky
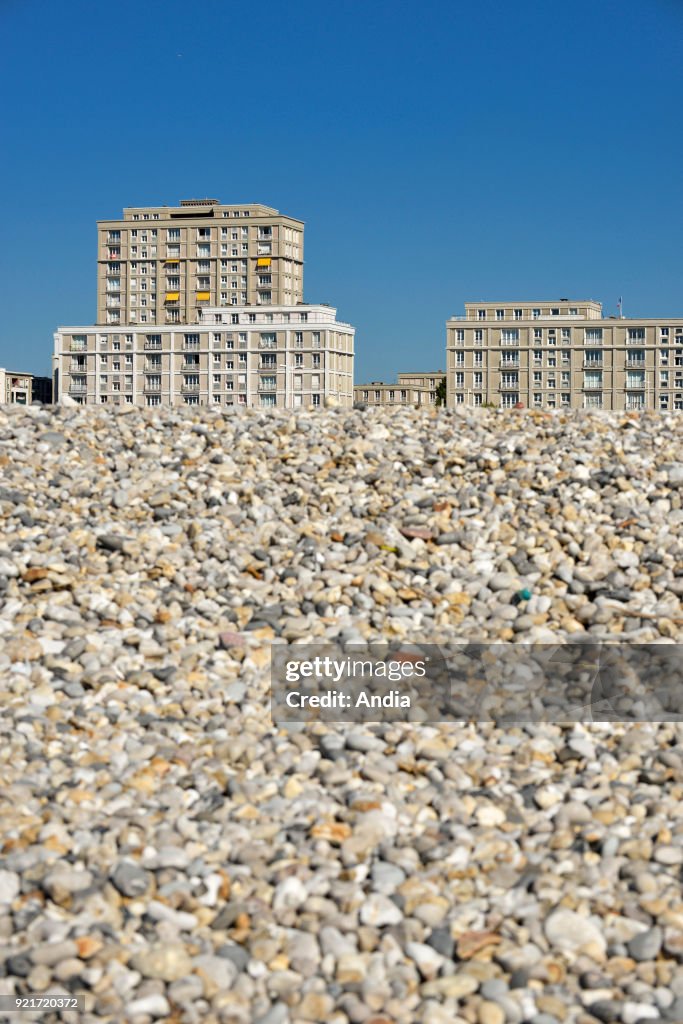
{"x":438,"y":152}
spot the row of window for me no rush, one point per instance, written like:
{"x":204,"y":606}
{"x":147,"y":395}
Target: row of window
{"x":591,"y":335}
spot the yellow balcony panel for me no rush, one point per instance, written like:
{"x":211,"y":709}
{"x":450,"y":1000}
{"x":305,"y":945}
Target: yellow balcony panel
{"x":172,"y":261}
{"x":203,"y":296}
{"x":172,"y":296}
{"x":263,"y":261}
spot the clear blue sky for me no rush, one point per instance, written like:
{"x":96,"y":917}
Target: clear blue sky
{"x":438,"y":152}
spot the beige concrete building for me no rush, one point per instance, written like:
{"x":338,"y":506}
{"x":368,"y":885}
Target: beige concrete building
{"x":280,"y":357}
{"x":563,"y":354}
{"x":15,"y":388}
{"x":163,"y":264}
{"x":412,"y":388}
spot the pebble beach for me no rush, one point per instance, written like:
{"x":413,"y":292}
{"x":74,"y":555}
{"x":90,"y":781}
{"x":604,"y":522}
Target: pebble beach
{"x":169,"y":854}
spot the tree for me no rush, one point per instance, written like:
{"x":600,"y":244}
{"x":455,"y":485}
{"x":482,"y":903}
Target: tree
{"x":441,"y":393}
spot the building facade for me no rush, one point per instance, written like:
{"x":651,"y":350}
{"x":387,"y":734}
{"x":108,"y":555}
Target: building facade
{"x":16,"y":388}
{"x":562,"y":354}
{"x":283,"y":357}
{"x":413,"y":388}
{"x":163,"y":264}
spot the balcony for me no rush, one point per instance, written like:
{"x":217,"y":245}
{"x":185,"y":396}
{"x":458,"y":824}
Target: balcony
{"x":189,"y":389}
{"x":505,"y":385}
{"x":636,"y":364}
{"x":592,"y":364}
{"x":77,"y":389}
{"x":510,"y":364}
{"x":190,"y":367}
{"x":267,"y":366}
{"x":78,"y":346}
{"x":152,"y":346}
{"x":592,"y":385}
{"x":77,"y":368}
{"x":151,"y":386}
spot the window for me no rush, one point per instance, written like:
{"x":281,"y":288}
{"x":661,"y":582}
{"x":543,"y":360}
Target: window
{"x":636,"y":334}
{"x":479,"y":358}
{"x":315,"y":360}
{"x":518,"y":314}
{"x":459,"y":358}
{"x":510,"y":336}
{"x":635,"y":379}
{"x":508,"y":379}
{"x":635,"y":400}
{"x":315,"y":399}
{"x":535,"y":313}
{"x":478,"y":336}
{"x":298,"y":360}
{"x":478,"y":380}
{"x":459,"y":380}
{"x":566,"y":334}
{"x":392,"y":396}
{"x":592,"y":379}
{"x":552,"y":361}
{"x":593,"y":335}
{"x":566,"y":357}
{"x":664,"y":356}
{"x":509,"y":399}
{"x":153,"y":399}
{"x":538,"y":334}
{"x":203,"y":249}
{"x":538,"y":399}
{"x":404,"y":396}
{"x":481,"y":314}
{"x":315,"y":339}
{"x":538,"y":377}
{"x":459,"y":334}
{"x":538,"y":357}
{"x":555,"y":311}
{"x":500,"y":314}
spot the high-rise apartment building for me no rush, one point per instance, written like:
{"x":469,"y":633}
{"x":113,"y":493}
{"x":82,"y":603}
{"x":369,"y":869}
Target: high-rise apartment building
{"x":283,"y":356}
{"x":163,"y":264}
{"x":563,"y":354}
{"x":202,"y":304}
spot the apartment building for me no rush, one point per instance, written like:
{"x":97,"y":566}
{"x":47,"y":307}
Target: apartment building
{"x":412,"y":388}
{"x":16,"y":388}
{"x":282,"y":356}
{"x":563,"y":354}
{"x":164,"y":264}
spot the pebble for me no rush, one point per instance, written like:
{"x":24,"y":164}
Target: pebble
{"x":10,"y":884}
{"x":173,"y":852}
{"x":571,"y":932}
